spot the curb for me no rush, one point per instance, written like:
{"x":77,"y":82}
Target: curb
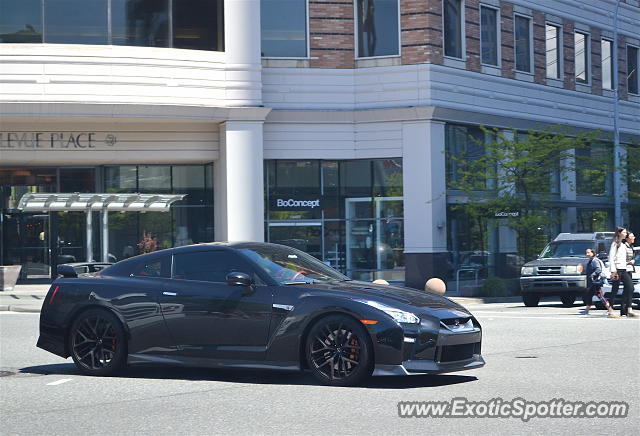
{"x":23,"y":309}
{"x":485,"y":300}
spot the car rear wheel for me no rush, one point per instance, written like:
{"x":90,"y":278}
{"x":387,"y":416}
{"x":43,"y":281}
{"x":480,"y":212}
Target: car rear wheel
{"x":97,"y":343}
{"x":530,"y":300}
{"x":338,"y":351}
{"x":568,"y":300}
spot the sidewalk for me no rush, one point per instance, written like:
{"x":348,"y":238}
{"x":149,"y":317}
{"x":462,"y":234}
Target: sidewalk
{"x":24,"y":298}
{"x":28,"y":298}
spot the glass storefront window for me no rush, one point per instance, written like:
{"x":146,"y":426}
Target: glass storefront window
{"x":121,"y":179}
{"x":284,"y":35}
{"x":140,"y":23}
{"x":21,"y":21}
{"x":154,"y":179}
{"x":197,"y":24}
{"x":68,"y":22}
{"x":77,"y":180}
{"x":592,"y":220}
{"x":358,"y":227}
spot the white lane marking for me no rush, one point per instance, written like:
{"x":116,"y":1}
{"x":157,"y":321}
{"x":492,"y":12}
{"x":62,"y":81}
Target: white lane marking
{"x":589,"y":318}
{"x":59,"y":382}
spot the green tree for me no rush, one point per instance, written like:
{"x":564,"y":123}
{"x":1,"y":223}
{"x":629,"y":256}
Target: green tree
{"x":516,"y":177}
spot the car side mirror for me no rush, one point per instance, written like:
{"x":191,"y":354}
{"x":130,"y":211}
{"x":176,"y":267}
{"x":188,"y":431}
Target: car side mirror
{"x":237,"y":278}
{"x":67,"y":271}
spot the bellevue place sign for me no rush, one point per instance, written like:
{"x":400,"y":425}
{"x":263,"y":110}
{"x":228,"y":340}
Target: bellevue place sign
{"x":56,"y":140}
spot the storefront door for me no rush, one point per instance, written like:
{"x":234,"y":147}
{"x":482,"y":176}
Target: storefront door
{"x":33,"y":253}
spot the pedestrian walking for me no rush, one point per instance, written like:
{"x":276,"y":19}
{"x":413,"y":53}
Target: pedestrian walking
{"x":621,"y":264}
{"x":595,"y":280}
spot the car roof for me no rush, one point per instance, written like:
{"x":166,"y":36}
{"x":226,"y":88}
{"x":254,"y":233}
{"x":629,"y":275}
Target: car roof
{"x":583,"y":236}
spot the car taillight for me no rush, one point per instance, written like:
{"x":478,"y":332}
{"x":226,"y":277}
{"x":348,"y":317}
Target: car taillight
{"x":53,"y":295}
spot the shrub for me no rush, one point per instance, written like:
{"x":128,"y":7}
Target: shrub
{"x":493,"y":287}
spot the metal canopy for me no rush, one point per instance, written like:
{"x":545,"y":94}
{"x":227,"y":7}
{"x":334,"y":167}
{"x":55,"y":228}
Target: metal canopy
{"x":98,"y":202}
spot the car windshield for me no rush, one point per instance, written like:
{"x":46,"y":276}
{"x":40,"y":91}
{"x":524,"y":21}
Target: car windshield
{"x":566,"y":249}
{"x":288,"y":266}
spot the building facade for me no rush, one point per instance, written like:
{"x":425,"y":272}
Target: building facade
{"x":324,"y":125}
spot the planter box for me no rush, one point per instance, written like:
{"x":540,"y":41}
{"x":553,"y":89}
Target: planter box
{"x":8,"y":276}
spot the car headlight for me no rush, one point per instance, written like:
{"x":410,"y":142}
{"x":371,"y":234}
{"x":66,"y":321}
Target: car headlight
{"x":573,"y":269}
{"x":526,"y":271}
{"x":397,"y":314}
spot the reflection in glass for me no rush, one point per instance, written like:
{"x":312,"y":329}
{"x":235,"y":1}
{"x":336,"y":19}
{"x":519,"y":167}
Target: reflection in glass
{"x":140,"y":23}
{"x":632,"y":69}
{"x":154,"y":179}
{"x":607,"y":64}
{"x":69,"y":23}
{"x":21,"y":21}
{"x":197,"y":24}
{"x":581,"y":56}
{"x":523,"y":44}
{"x":284,"y":34}
{"x":489,"y":35}
{"x":553,"y":51}
{"x":453,"y":28}
{"x":377,"y":28}
{"x":121,"y":179}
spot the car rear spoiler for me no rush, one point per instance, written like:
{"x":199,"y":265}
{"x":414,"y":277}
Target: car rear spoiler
{"x":82,"y":269}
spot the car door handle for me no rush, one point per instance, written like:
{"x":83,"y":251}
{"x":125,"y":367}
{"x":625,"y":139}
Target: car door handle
{"x":171,"y":294}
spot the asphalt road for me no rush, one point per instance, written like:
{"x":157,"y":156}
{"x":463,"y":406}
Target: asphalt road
{"x":537,"y":354}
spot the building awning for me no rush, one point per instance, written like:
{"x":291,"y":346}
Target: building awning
{"x":98,"y":202}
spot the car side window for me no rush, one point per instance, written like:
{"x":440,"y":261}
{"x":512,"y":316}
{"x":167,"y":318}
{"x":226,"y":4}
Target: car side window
{"x":208,"y":266}
{"x":159,"y":267}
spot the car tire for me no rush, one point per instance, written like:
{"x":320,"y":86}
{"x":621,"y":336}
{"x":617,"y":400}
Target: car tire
{"x":531,"y":300}
{"x":568,"y":300}
{"x":98,"y":343}
{"x":599,"y":305}
{"x":338,"y":351}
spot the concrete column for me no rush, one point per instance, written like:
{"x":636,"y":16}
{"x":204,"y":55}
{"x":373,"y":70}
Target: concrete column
{"x":242,"y":50}
{"x":425,"y":202}
{"x":104,"y":234}
{"x":89,"y":245}
{"x":239,"y":185}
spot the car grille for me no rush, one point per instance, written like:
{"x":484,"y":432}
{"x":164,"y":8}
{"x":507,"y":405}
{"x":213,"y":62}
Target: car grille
{"x":549,"y":270}
{"x":454,"y":353}
{"x":457,"y":324}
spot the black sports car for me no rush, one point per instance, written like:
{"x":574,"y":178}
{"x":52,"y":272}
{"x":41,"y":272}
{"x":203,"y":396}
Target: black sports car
{"x":252,"y":305}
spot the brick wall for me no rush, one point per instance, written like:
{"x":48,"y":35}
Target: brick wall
{"x":507,"y":40}
{"x":435,"y":48}
{"x":539,"y":48}
{"x":596,"y":61}
{"x":472,"y":39}
{"x":331,"y":33}
{"x":568,"y":54}
{"x":414,"y":31}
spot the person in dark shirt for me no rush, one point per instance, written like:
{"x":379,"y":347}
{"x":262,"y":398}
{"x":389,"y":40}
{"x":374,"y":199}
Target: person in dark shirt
{"x":595,"y":280}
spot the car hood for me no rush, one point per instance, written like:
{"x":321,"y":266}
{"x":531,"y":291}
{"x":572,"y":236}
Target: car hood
{"x":389,"y":294}
{"x":558,"y":261}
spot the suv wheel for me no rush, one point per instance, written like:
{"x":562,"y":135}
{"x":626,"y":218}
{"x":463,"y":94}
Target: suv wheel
{"x":568,"y":300}
{"x":531,"y":300}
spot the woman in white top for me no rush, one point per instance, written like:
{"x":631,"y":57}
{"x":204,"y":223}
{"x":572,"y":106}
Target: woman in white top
{"x":621,"y":265}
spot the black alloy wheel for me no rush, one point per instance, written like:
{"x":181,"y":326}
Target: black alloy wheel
{"x":338,"y":351}
{"x":97,"y":343}
{"x":568,"y":300}
{"x":531,"y":300}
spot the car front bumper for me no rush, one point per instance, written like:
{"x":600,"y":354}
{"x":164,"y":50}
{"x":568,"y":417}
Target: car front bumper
{"x":553,"y":284}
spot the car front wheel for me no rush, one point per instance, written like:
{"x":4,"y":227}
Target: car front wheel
{"x":568,"y":300}
{"x":530,"y":300}
{"x":338,"y":351}
{"x":97,"y":343}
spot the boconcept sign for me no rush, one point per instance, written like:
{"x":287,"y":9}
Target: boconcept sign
{"x":295,"y":203}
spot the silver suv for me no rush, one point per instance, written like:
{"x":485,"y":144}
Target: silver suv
{"x":559,"y":270}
